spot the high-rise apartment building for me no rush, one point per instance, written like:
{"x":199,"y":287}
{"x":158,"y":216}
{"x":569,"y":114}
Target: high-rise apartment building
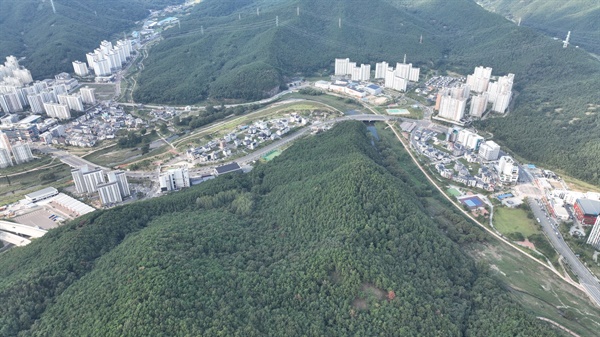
{"x":80,"y":68}
{"x":121,"y":179}
{"x":480,"y":79}
{"x":57,"y":110}
{"x":478,"y":105}
{"x":22,"y":153}
{"x":5,"y":160}
{"x":109,"y":193}
{"x":88,"y":95}
{"x":594,"y":237}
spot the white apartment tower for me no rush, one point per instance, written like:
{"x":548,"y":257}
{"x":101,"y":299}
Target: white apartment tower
{"x":57,"y":110}
{"x":92,"y":179}
{"x":80,"y":68}
{"x":480,"y":79}
{"x":478,"y":105}
{"x":121,"y":179}
{"x":74,"y":102}
{"x":380,"y":69}
{"x":500,"y":93}
{"x":22,"y":153}
{"x":341,"y":66}
{"x":5,"y":160}
{"x":452,"y":108}
{"x":88,"y":95}
{"x":594,"y":237}
{"x":78,"y":180}
{"x":109,"y":193}
{"x":489,"y":151}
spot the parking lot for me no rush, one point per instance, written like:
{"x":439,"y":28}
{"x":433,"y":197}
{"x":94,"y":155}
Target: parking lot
{"x":40,"y":218}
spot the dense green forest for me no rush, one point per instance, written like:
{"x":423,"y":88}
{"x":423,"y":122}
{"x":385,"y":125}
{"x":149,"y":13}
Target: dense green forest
{"x":50,"y":42}
{"x":319,"y":242}
{"x":555,"y":18}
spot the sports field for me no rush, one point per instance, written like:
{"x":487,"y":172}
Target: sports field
{"x":272,"y":154}
{"x":397,"y":111}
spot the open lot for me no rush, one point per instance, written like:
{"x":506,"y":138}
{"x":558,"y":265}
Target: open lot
{"x":40,"y":217}
{"x":539,"y":290}
{"x":514,"y":220}
{"x":103,"y":91}
{"x":15,"y":187}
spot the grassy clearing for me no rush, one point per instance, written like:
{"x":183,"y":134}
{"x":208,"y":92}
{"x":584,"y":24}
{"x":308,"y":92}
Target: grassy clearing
{"x":45,"y":160}
{"x":514,"y":220}
{"x":539,"y":290}
{"x":579,"y":185}
{"x":341,"y":103}
{"x":15,"y":187}
{"x":103,"y":91}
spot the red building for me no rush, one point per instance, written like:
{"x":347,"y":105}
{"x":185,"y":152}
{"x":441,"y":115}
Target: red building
{"x":586,"y":211}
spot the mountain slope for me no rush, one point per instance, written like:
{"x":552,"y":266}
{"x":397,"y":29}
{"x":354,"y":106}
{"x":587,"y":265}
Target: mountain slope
{"x":555,"y":18}
{"x":317,"y":242}
{"x":52,"y":41}
{"x":551,"y":123}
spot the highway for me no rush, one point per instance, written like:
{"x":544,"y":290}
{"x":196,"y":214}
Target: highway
{"x":586,"y":278}
{"x":22,"y":229}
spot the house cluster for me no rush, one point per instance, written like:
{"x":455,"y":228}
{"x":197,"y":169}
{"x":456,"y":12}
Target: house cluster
{"x":463,"y":150}
{"x":100,"y":123}
{"x":246,"y":137}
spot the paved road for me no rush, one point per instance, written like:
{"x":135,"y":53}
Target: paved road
{"x":586,"y":278}
{"x":69,"y":159}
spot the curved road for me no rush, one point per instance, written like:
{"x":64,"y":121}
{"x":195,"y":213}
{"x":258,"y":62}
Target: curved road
{"x":586,"y":278}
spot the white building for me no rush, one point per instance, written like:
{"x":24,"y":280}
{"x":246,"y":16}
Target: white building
{"x":5,"y":160}
{"x":452,"y":108}
{"x":341,"y":66}
{"x":508,"y":170}
{"x":92,"y":179}
{"x":78,"y":180}
{"x":489,"y":151}
{"x":74,"y":102}
{"x":10,"y":103}
{"x":480,"y":79}
{"x":121,"y":179}
{"x":594,"y":237}
{"x":109,"y":193}
{"x":500,"y":93}
{"x":80,"y":68}
{"x":478,"y":105}
{"x":469,"y":140}
{"x":57,"y":110}
{"x":380,"y":69}
{"x":174,"y":179}
{"x":22,"y":153}
{"x":88,"y":95}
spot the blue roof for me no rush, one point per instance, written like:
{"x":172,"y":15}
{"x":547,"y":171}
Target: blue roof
{"x":372,"y":86}
{"x":531,"y":166}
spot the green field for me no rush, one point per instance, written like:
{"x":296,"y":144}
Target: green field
{"x":271,"y":155}
{"x":514,"y":220}
{"x":454,"y":192}
{"x":15,"y":187}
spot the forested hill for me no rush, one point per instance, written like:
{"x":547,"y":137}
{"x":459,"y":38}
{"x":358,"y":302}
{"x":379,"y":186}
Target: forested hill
{"x":51,"y":41}
{"x":329,"y":239}
{"x":555,"y":18}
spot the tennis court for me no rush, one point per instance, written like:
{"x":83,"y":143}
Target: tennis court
{"x":397,"y":111}
{"x":472,"y":202}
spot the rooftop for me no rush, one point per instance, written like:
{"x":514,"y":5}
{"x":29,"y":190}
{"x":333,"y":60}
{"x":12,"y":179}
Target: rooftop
{"x":228,"y":168}
{"x":589,"y":206}
{"x":40,"y":193}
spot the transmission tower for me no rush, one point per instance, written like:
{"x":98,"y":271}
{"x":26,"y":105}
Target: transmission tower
{"x":566,"y":41}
